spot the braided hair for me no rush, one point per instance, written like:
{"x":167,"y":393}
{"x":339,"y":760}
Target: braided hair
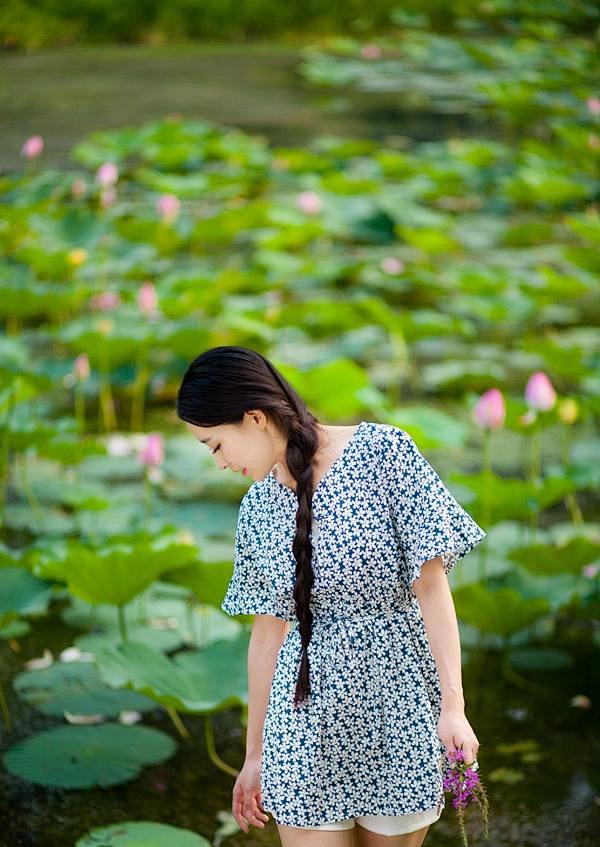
{"x":218,"y":387}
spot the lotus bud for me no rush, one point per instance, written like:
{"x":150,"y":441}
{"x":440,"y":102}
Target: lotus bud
{"x":81,"y":367}
{"x":33,"y":147}
{"x":371,"y":51}
{"x":168,"y":207}
{"x":107,"y":174}
{"x":106,"y":301}
{"x":490,"y":409}
{"x":593,"y":104}
{"x":391,"y":265}
{"x":152,"y":453}
{"x":118,"y":445}
{"x":147,"y":298}
{"x":539,"y":393}
{"x":309,"y":202}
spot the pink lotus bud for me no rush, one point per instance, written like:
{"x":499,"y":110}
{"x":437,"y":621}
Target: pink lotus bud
{"x":32,"y":148}
{"x":168,"y":207}
{"x":371,"y":51}
{"x":81,"y":367}
{"x":147,"y":298}
{"x":392,"y":266}
{"x":539,"y":393}
{"x":309,"y":202}
{"x":152,"y":453}
{"x":105,"y":302}
{"x":107,"y":174}
{"x":593,"y":104}
{"x":589,"y":571}
{"x":490,"y":409}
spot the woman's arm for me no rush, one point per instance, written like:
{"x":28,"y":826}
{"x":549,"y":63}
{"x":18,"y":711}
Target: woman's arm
{"x":439,"y":616}
{"x":268,"y":634}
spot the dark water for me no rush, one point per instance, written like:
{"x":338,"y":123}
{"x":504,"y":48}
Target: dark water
{"x":556,"y":804}
{"x":62,"y":94}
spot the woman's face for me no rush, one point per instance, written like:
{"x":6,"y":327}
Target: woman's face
{"x":252,"y":447}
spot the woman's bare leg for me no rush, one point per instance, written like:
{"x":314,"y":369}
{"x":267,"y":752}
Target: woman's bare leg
{"x":365,"y":838}
{"x":295,"y":836}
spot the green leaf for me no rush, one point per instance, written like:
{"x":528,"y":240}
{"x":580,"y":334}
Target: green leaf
{"x":141,"y":834}
{"x":190,"y":682}
{"x":77,"y":688}
{"x":87,"y":756}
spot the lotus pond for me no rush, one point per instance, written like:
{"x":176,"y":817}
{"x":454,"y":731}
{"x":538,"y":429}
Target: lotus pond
{"x":448,"y":286}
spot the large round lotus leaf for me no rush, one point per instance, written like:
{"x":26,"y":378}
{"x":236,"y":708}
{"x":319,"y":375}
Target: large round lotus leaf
{"x":192,"y":682}
{"x":120,"y":569}
{"x":85,"y":756}
{"x":141,"y":834}
{"x":76,"y":687}
{"x":22,"y":592}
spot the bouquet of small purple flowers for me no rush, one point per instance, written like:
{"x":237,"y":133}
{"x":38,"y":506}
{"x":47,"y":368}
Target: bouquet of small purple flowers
{"x":466,"y":786}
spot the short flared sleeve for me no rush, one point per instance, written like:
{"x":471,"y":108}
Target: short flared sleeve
{"x":428,"y":520}
{"x":249,"y":591}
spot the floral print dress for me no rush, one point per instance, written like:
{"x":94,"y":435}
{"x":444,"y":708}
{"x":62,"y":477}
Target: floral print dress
{"x":366,"y":742}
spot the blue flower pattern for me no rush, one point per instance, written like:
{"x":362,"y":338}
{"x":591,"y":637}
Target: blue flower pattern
{"x":366,"y":742}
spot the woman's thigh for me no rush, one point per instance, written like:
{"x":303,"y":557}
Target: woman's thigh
{"x":295,"y":836}
{"x":366,"y":838}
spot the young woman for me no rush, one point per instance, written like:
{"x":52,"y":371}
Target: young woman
{"x":349,"y":533}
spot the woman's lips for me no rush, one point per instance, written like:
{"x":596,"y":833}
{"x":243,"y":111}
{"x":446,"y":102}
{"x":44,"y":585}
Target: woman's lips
{"x":245,"y":471}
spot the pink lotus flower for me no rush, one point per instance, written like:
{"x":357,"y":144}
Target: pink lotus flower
{"x":392,"y":266}
{"x":490,"y":409}
{"x":81,"y":367}
{"x":152,"y":453}
{"x":590,"y":571}
{"x":309,"y":202}
{"x":147,"y":298}
{"x":371,"y":51}
{"x":32,"y":148}
{"x":539,"y":393}
{"x":593,"y":141}
{"x":105,"y":302}
{"x":593,"y":104}
{"x":581,"y":701}
{"x":168,"y":207}
{"x":107,"y":174}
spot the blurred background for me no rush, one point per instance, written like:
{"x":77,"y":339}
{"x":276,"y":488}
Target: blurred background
{"x":398,"y":205}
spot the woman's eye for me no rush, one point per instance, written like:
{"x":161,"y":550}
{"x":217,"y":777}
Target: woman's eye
{"x":216,"y":448}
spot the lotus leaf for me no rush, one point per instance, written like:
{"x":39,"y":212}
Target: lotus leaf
{"x":193,"y":681}
{"x":141,"y":834}
{"x":86,"y":756}
{"x":75,"y":687}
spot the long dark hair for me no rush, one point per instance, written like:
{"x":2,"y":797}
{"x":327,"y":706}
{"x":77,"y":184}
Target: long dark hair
{"x":217,"y":388}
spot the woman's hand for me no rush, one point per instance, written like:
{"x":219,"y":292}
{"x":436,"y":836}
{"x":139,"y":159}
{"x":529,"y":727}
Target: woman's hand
{"x":455,"y":731}
{"x":247,"y":799}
